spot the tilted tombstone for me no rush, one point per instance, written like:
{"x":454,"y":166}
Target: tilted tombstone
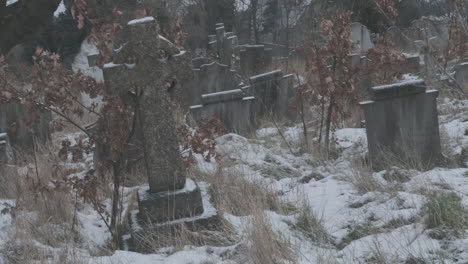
{"x":212,"y":78}
{"x":461,"y":75}
{"x":232,"y":107}
{"x":198,"y":62}
{"x":255,"y":59}
{"x":402,"y":124}
{"x":273,"y":93}
{"x":169,"y":195}
{"x":361,"y":36}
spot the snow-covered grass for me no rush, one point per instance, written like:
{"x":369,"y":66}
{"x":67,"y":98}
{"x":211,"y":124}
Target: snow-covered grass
{"x":281,"y":207}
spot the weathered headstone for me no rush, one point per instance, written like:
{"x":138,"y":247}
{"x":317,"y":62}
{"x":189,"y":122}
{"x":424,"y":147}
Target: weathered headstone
{"x":255,"y":59}
{"x":461,"y":75}
{"x":169,"y":195}
{"x":198,"y":62}
{"x":3,"y":149}
{"x":402,"y":124}
{"x":273,"y":93}
{"x":213,"y":78}
{"x":411,"y":64}
{"x":401,"y":42}
{"x":233,"y":108}
{"x":361,"y":37}
{"x":223,"y":44}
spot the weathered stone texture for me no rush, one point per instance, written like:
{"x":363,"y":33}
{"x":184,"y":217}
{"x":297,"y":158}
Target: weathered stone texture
{"x":402,"y":123}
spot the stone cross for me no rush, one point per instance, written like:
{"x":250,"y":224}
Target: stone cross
{"x":154,"y":62}
{"x":223,"y":43}
{"x":402,"y":122}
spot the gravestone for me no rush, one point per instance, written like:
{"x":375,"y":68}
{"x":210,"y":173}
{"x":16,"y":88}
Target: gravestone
{"x":3,"y":150}
{"x":461,"y":75}
{"x":273,"y":93}
{"x":24,"y":125}
{"x":255,"y":59}
{"x":198,"y":62}
{"x":361,"y":37}
{"x":401,"y":42}
{"x":402,"y":124}
{"x":223,"y":44}
{"x":411,"y":64}
{"x":169,"y":196}
{"x":233,"y":108}
{"x":213,"y":78}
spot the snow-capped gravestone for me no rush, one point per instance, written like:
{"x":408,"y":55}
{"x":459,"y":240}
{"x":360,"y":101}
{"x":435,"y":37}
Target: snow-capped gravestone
{"x":402,"y":125}
{"x":255,"y":59}
{"x":273,"y":92}
{"x":361,"y":37}
{"x":268,"y":95}
{"x":223,"y":44}
{"x":169,"y":195}
{"x":213,"y":78}
{"x":233,"y":108}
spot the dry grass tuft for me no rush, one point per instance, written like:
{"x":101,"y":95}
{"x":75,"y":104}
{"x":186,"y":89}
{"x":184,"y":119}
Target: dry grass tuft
{"x":265,"y":246}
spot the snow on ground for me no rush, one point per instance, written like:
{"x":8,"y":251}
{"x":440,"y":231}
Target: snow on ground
{"x":80,"y":64}
{"x":385,"y":223}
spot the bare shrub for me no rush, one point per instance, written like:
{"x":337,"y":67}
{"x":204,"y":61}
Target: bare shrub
{"x":229,"y":185}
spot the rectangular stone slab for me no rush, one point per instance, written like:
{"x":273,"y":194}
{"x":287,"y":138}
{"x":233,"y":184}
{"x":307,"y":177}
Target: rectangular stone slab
{"x":398,"y":90}
{"x":167,"y":206}
{"x":222,"y":96}
{"x":406,"y":127}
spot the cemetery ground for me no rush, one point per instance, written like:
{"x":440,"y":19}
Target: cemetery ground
{"x":298,"y":208}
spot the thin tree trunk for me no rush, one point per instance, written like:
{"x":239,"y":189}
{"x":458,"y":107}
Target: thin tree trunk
{"x":115,"y":198}
{"x":322,"y":118}
{"x":254,"y":20}
{"x":329,"y":119}
{"x":304,"y":125}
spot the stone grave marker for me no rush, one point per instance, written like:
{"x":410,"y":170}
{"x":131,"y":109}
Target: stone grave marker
{"x":170,"y":195}
{"x":3,"y":149}
{"x":361,"y":36}
{"x":232,"y":107}
{"x":461,"y":75}
{"x":255,"y":59}
{"x":402,"y":124}
{"x":213,"y":78}
{"x":223,"y":44}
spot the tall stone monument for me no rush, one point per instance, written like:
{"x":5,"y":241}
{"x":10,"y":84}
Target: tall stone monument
{"x":402,"y":124}
{"x":157,"y":62}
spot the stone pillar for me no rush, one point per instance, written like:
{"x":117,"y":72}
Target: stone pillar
{"x":402,"y":122}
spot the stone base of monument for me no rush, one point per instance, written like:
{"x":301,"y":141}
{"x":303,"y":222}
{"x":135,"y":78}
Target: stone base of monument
{"x":166,"y":206}
{"x":154,"y":225}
